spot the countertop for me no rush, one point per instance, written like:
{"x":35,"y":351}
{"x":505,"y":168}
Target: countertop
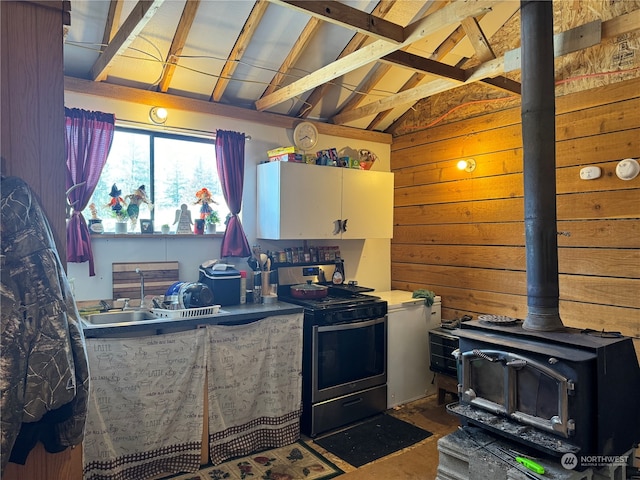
{"x":397,"y":298}
{"x":232,"y":315}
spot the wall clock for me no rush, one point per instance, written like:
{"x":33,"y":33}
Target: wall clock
{"x":305,"y":136}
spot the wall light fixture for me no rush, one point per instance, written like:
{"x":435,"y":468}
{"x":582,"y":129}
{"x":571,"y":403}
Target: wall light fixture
{"x":468,"y":165}
{"x":158,"y":115}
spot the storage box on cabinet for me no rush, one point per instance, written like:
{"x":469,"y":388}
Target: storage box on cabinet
{"x":301,"y":201}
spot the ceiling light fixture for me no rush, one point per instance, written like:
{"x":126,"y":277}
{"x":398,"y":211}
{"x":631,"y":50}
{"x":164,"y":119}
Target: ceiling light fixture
{"x":158,"y":115}
{"x":468,"y":165}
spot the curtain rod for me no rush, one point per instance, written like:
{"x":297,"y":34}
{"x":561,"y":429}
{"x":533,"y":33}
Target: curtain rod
{"x":164,"y":128}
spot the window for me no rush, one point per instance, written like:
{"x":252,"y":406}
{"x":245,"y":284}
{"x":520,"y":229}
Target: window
{"x":171,"y":167}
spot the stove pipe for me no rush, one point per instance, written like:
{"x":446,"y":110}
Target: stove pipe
{"x":539,"y":148}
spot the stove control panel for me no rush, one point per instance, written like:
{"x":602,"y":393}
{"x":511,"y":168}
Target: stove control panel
{"x":357,"y":313}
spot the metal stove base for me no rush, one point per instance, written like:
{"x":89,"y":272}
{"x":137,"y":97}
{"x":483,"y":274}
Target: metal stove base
{"x":338,"y":412}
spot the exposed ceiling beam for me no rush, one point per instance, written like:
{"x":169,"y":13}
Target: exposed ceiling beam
{"x":142,"y":12}
{"x":178,"y":43}
{"x":383,"y":8}
{"x":478,"y":40}
{"x":449,"y":15}
{"x":402,"y":98}
{"x":484,"y":53}
{"x":413,"y":81}
{"x":148,"y":97}
{"x":424,"y":65}
{"x":376,"y":74}
{"x":416,"y":79}
{"x":348,"y":17}
{"x":487,"y":70}
{"x":113,"y":20}
{"x":248,"y":30}
{"x":309,"y":30}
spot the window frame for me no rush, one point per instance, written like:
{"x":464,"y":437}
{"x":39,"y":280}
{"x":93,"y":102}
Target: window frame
{"x":152,"y":135}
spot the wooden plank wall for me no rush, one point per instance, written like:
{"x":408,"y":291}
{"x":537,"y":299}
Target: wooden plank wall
{"x":462,"y":234}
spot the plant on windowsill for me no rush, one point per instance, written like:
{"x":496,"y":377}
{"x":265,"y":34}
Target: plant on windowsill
{"x":211,"y":220}
{"x":121,"y":221}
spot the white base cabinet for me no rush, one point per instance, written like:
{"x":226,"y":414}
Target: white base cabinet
{"x":408,"y":374}
{"x":301,"y":201}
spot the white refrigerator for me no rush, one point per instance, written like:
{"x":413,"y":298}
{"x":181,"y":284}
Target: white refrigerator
{"x":408,"y":374}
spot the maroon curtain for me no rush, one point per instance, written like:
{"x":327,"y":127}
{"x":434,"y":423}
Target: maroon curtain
{"x":230,"y":161}
{"x":88,"y":138}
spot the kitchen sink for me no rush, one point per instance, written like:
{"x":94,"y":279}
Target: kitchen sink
{"x":119,"y":316}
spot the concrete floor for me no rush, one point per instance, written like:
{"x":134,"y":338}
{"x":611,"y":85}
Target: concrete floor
{"x":419,"y":461}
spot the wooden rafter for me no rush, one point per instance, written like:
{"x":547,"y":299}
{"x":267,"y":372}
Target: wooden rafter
{"x":487,"y":70}
{"x":376,"y":74}
{"x":416,"y":79}
{"x":424,"y":65}
{"x":178,"y":42}
{"x":478,"y":39}
{"x":381,"y":10}
{"x":248,"y":30}
{"x":451,"y":14}
{"x":142,"y":12}
{"x":113,"y":20}
{"x":308,"y":32}
{"x":349,"y":17}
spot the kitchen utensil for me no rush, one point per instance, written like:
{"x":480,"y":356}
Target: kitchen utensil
{"x":263,"y":261}
{"x":309,"y":290}
{"x":253,"y":263}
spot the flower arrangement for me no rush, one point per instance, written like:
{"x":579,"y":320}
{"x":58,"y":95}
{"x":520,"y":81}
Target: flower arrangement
{"x":212,"y":218}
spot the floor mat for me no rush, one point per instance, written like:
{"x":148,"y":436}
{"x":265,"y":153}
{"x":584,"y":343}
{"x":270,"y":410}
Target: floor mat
{"x":293,"y":462}
{"x":373,"y":439}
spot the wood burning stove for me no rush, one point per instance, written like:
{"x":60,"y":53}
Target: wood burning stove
{"x":558,"y":392}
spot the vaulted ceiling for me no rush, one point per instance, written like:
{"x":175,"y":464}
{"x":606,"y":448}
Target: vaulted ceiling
{"x":360,"y":63}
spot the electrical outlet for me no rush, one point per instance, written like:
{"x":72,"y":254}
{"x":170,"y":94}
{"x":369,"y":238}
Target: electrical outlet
{"x":590,"y":173}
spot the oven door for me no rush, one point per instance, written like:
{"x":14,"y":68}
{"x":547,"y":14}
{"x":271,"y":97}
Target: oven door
{"x":348,"y":357}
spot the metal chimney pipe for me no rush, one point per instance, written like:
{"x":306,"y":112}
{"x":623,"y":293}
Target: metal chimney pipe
{"x":539,"y":159}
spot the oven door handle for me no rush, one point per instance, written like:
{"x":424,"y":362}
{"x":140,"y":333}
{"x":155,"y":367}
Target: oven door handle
{"x":352,"y":325}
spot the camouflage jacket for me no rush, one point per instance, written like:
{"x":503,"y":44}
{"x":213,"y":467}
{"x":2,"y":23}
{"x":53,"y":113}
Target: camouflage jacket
{"x":43,"y":361}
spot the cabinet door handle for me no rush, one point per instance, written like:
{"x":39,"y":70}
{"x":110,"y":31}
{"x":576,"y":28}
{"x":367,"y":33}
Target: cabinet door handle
{"x":339,"y":226}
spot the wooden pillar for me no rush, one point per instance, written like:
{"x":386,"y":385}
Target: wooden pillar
{"x":32,"y":148}
{"x":32,"y":83}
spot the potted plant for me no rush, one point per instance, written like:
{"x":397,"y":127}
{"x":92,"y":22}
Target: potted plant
{"x":211,"y":220}
{"x":165,"y":229}
{"x":122,"y":218}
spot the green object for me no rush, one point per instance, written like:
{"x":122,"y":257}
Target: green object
{"x":530,"y":464}
{"x":525,"y":462}
{"x":428,"y":296}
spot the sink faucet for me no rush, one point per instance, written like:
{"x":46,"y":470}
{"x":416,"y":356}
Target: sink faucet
{"x":139,"y":272}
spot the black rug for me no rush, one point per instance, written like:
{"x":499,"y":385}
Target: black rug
{"x":373,"y":439}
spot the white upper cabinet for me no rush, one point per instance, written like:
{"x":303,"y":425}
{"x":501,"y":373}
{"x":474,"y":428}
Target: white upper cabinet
{"x":300,"y":201}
